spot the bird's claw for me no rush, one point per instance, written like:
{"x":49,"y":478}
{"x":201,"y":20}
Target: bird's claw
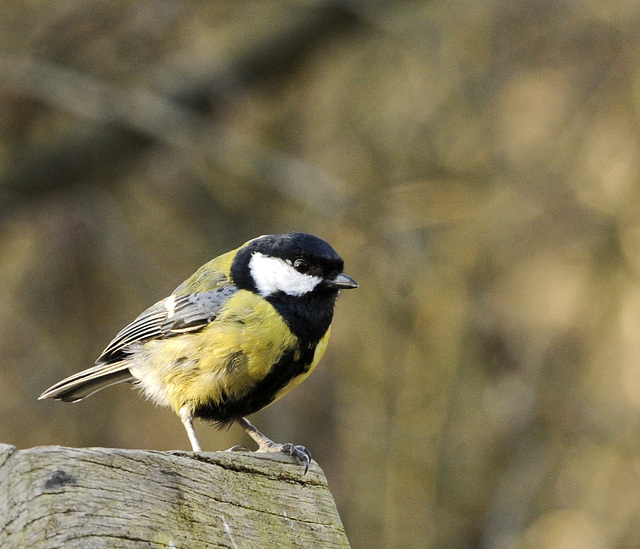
{"x":302,"y":455}
{"x":238,"y":448}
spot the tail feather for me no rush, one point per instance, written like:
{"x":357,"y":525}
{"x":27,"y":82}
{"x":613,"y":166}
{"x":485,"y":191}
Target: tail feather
{"x":89,"y":381}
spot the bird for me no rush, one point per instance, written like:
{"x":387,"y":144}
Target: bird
{"x":243,"y":330}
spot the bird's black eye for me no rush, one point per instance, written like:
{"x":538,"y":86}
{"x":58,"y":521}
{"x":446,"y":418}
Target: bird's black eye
{"x":301,"y":265}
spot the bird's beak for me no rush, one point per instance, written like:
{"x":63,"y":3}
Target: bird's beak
{"x":342,"y":282}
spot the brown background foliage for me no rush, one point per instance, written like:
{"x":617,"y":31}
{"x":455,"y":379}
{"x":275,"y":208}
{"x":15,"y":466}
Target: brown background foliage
{"x":477,"y":164}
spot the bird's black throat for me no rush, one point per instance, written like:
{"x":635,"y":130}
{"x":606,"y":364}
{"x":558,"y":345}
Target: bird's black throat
{"x":308,"y":316}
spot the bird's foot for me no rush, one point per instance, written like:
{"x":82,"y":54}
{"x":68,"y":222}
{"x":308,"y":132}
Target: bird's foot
{"x":300,"y":453}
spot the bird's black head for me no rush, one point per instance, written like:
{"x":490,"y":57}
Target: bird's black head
{"x":294,"y":264}
{"x":300,"y":274}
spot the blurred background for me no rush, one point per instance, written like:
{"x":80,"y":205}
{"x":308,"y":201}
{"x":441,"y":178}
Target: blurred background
{"x":476,"y":164}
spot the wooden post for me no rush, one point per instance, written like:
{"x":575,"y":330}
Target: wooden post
{"x":53,"y":496}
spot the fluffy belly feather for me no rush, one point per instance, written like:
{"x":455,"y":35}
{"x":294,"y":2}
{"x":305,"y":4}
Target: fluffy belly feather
{"x":239,"y":363}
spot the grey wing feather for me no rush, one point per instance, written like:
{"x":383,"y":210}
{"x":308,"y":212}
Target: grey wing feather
{"x":169,"y":317}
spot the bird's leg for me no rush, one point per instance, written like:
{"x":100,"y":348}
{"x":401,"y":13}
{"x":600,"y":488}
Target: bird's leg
{"x":265,"y":444}
{"x":186,"y":416}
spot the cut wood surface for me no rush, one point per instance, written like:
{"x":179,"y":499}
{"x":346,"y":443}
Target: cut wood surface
{"x":53,"y":496}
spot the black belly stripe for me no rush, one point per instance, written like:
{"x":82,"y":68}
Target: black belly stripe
{"x":229,"y":409}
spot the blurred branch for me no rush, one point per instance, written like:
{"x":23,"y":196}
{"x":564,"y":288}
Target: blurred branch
{"x":143,"y":113}
{"x":127,"y":118}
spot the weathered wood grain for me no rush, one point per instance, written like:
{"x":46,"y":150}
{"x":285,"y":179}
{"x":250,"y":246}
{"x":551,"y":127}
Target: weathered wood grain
{"x":100,"y":497}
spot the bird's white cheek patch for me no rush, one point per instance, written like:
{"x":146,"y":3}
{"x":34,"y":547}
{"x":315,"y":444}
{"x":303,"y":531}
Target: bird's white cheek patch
{"x":272,"y":274}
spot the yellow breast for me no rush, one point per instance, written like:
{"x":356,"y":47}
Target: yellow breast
{"x":227,"y":358}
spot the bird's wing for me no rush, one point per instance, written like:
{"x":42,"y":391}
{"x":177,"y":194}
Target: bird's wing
{"x":169,"y":317}
{"x":172,"y":316}
{"x":211,"y":276}
{"x":193,"y":305}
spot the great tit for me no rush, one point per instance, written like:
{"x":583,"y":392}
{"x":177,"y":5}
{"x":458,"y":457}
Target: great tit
{"x":242,"y":331}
